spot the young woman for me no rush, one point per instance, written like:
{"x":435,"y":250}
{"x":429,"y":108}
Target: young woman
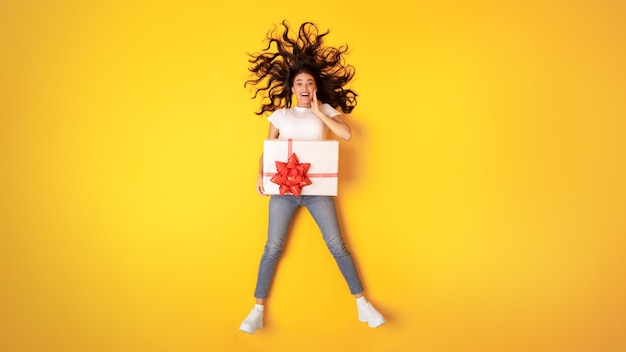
{"x":314,"y":75}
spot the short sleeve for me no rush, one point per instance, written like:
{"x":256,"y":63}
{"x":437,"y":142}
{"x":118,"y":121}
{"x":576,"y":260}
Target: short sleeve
{"x":330,"y":111}
{"x":275,"y":118}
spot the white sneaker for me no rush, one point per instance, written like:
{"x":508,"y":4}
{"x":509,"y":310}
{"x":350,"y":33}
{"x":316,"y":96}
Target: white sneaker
{"x":369,"y":314}
{"x":253,"y":321}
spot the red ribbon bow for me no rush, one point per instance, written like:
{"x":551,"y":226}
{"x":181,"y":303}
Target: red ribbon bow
{"x":291,"y":176}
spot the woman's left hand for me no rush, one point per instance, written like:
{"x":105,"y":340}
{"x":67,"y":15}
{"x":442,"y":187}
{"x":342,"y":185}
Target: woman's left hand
{"x":335,"y":124}
{"x":315,"y":105}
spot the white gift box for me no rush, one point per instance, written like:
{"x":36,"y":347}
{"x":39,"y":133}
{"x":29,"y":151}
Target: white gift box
{"x":323,"y":157}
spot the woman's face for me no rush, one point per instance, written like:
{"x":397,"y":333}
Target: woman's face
{"x":304,"y":87}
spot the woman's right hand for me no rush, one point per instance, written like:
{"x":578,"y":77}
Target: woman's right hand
{"x":271,"y":134}
{"x":259,"y":186}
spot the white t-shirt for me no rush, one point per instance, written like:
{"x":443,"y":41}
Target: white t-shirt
{"x":300,"y":123}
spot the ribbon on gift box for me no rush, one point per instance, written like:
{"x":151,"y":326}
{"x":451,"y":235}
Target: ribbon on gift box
{"x":292,"y":176}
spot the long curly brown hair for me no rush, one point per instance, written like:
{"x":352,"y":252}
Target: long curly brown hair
{"x":276,"y":66}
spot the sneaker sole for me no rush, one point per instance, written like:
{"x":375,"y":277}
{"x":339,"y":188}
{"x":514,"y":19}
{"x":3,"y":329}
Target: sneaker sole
{"x":376,"y":324}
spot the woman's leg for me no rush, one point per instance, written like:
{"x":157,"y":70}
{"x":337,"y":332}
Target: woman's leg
{"x":324,"y":211}
{"x":281,"y":210}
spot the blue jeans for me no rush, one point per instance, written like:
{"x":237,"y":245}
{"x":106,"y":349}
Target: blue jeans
{"x":322,"y":208}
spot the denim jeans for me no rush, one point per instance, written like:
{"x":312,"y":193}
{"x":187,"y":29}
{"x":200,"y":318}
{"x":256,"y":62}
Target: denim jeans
{"x":323,"y":210}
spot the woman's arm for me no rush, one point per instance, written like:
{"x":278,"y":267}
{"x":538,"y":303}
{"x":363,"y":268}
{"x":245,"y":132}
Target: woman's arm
{"x":271,"y":134}
{"x":335,"y":124}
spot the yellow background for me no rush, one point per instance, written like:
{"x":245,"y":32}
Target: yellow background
{"x":482,"y":194}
